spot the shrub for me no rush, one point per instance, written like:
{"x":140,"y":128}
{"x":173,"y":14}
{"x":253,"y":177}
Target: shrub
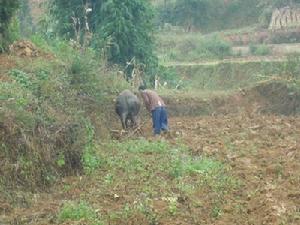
{"x":82,"y":211}
{"x":169,"y":75}
{"x":216,"y":46}
{"x":260,"y":50}
{"x":7,"y":11}
{"x":40,"y":146}
{"x":43,"y":133}
{"x":280,"y":37}
{"x":291,"y":67}
{"x":47,"y":124}
{"x":194,"y":48}
{"x":141,"y":146}
{"x":89,"y":159}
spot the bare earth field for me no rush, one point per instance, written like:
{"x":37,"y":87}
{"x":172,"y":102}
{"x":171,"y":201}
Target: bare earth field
{"x":262,"y":153}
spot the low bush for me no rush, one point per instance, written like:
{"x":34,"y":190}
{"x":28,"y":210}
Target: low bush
{"x":46,"y":126}
{"x":193,"y":48}
{"x":79,"y":211}
{"x":260,"y":50}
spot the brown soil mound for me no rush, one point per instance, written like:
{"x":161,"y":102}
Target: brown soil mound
{"x":24,"y":48}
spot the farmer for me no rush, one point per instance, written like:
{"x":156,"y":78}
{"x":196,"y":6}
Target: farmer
{"x":157,"y":107}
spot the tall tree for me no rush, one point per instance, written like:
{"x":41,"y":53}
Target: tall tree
{"x":68,"y":17}
{"x":191,"y":12}
{"x":7,"y":10}
{"x":128,"y":24}
{"x":25,"y":18}
{"x":123,"y":27}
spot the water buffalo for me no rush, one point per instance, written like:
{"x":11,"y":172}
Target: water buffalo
{"x":128,"y":107}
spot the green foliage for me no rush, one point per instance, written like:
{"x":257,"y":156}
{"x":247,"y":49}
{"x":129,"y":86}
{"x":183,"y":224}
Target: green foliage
{"x":90,"y":159}
{"x":217,"y":46}
{"x":231,"y":76}
{"x":14,"y":99}
{"x":7,"y":11}
{"x":42,"y":111}
{"x":260,"y":50}
{"x":34,"y":130}
{"x":21,"y":77}
{"x":13,"y":30}
{"x":291,"y":68}
{"x":285,"y":37}
{"x":74,"y":211}
{"x":141,"y":146}
{"x":203,"y":166}
{"x":216,"y":211}
{"x":25,"y":19}
{"x":198,"y":11}
{"x":62,"y":12}
{"x":193,"y":48}
{"x":128,"y":26}
{"x":208,"y":15}
{"x":169,"y":75}
{"x":172,"y":206}
{"x":120,"y":30}
{"x":164,"y":172}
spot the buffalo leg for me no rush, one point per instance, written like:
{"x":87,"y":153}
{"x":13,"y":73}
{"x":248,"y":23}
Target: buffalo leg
{"x":123,"y":121}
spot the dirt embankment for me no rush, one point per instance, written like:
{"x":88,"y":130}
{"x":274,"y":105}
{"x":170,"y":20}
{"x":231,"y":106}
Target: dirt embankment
{"x":264,"y":98}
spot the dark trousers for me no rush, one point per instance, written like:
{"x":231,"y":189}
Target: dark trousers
{"x":159,"y":119}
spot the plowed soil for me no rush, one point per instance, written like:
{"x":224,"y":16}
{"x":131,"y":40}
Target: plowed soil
{"x":263,"y":152}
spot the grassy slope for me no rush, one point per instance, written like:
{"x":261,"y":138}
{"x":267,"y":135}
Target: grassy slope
{"x":51,"y":108}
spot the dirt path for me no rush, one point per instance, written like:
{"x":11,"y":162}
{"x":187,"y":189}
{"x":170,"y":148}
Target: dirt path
{"x":230,"y":60}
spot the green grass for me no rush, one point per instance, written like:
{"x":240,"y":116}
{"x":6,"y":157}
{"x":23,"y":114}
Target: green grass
{"x":141,"y":146}
{"x":45,"y":105}
{"x":192,"y":47}
{"x":79,"y":211}
{"x":160,"y":170}
{"x":231,"y":76}
{"x":260,"y":50}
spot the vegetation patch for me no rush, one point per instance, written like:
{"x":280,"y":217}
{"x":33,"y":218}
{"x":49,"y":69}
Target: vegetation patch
{"x":79,"y":211}
{"x":160,"y":174}
{"x":232,"y":76}
{"x":189,"y":47}
{"x":141,"y":146}
{"x":260,"y":50}
{"x":45,"y":118}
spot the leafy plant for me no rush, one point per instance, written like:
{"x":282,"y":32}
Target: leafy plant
{"x":121,"y":30}
{"x":168,"y":75}
{"x":172,"y":206}
{"x":90,"y":160}
{"x":217,"y":46}
{"x":260,"y":49}
{"x":75,"y":211}
{"x":203,"y":166}
{"x":193,"y":47}
{"x":7,"y":11}
{"x":142,"y":146}
{"x":291,"y":67}
{"x":21,"y":77}
{"x":25,"y":19}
